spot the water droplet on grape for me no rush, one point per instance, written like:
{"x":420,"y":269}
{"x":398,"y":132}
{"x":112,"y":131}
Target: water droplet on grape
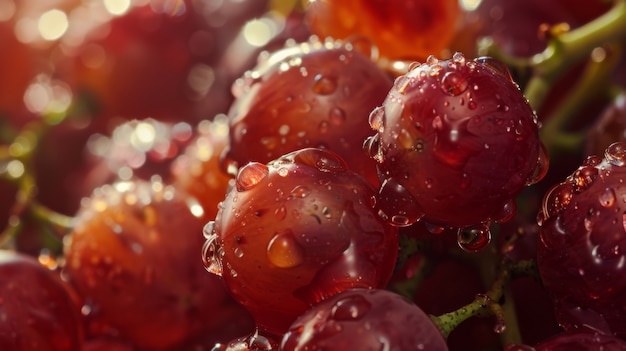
{"x":323,"y":160}
{"x":300,"y":191}
{"x":413,"y":65}
{"x":372,"y":148}
{"x":324,"y":85}
{"x":496,"y":65}
{"x":454,"y":83}
{"x":431,"y":60}
{"x":474,"y":238}
{"x":541,"y":169}
{"x":401,"y":83}
{"x":507,"y":212}
{"x":399,"y":203}
{"x":583,"y":177}
{"x":434,"y":228}
{"x":350,"y":308}
{"x":250,"y":175}
{"x":557,"y":199}
{"x":615,"y":154}
{"x":284,"y":251}
{"x":377,"y":119}
{"x":607,"y":198}
{"x":336,"y":116}
{"x":211,"y":256}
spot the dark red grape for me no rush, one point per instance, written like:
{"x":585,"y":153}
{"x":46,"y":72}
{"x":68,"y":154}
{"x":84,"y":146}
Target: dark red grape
{"x":295,"y":231}
{"x":582,"y":243}
{"x":401,"y":29}
{"x":456,"y":142}
{"x":609,"y":127}
{"x":133,"y":256}
{"x":315,"y":94}
{"x":37,"y":309}
{"x":575,"y":341}
{"x":364,"y":319}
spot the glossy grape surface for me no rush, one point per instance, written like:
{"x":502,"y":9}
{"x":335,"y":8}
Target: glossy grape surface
{"x":362,"y":319}
{"x":37,"y":309}
{"x":456,"y":141}
{"x":581,"y":252}
{"x":134,"y":258}
{"x":314,"y":94}
{"x":296,"y":231}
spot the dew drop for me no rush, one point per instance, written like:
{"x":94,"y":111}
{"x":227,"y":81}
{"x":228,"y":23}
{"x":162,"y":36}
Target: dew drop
{"x":583,"y":177}
{"x":431,"y":60}
{"x":323,"y":160}
{"x":300,"y":191}
{"x":401,"y":83}
{"x":397,"y":202}
{"x":557,"y":199}
{"x":541,"y":168}
{"x":434,"y":228}
{"x":607,"y":198}
{"x":238,"y":252}
{"x":350,"y":308}
{"x":471,"y":105}
{"x":280,"y":213}
{"x":496,"y":65}
{"x":454,"y":83}
{"x":282,"y":171}
{"x":615,"y":154}
{"x":250,"y":175}
{"x":474,"y":238}
{"x":413,"y":65}
{"x":507,"y":211}
{"x":377,"y":119}
{"x":324,"y":85}
{"x":284,"y":251}
{"x":373,"y":149}
{"x":437,"y":123}
{"x":458,"y":57}
{"x":336,"y":116}
{"x":211,"y":256}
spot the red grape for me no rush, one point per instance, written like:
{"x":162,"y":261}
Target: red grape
{"x":441,"y":132}
{"x":295,"y":231}
{"x":582,"y":242}
{"x":133,"y":255}
{"x":37,"y":309}
{"x":575,"y":341}
{"x":364,"y":319}
{"x":315,"y":94}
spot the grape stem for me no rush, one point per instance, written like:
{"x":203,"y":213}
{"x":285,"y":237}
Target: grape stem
{"x":488,"y":304}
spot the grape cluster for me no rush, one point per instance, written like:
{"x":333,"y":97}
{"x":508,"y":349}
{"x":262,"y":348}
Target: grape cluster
{"x":187,"y":175}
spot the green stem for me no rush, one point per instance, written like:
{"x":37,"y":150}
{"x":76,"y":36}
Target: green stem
{"x":489,"y":304}
{"x":566,"y":49}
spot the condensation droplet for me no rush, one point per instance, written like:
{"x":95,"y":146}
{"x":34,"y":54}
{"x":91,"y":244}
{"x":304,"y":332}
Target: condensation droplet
{"x":454,"y":83}
{"x":496,"y":65}
{"x":284,"y":251}
{"x":323,"y":160}
{"x":607,"y":198}
{"x":474,"y":238}
{"x":211,"y":255}
{"x":300,"y":191}
{"x":377,"y":119}
{"x":336,"y":116}
{"x":541,"y":169}
{"x":615,"y":154}
{"x":350,"y":308}
{"x":250,"y":175}
{"x":324,"y":85}
{"x":557,"y":199}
